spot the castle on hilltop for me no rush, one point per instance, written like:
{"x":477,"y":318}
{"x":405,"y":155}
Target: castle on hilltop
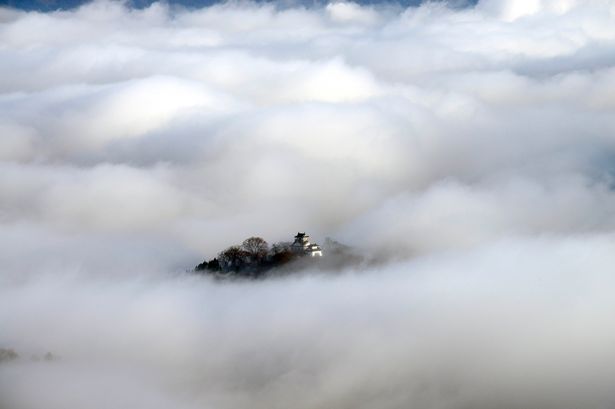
{"x":302,"y":245}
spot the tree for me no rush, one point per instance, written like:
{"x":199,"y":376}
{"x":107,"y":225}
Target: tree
{"x":233,"y":258}
{"x":202,"y":266}
{"x":281,"y":247}
{"x":7,"y":355}
{"x":281,"y":253}
{"x":256,"y":247}
{"x":213,"y":265}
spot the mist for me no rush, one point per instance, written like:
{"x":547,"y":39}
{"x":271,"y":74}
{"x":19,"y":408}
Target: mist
{"x":468,"y":148}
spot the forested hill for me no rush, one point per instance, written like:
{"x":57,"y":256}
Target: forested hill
{"x":255,"y":258}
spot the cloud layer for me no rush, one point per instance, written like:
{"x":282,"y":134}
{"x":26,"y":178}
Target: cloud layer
{"x":472,"y":148}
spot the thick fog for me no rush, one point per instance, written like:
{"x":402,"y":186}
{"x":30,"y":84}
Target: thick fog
{"x":469,"y":149}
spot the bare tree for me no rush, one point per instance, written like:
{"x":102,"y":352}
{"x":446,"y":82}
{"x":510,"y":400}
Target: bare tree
{"x":233,"y":258}
{"x":256,"y":247}
{"x":282,"y":253}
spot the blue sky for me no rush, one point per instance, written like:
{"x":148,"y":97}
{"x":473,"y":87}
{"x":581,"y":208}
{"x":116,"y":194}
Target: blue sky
{"x":50,"y":5}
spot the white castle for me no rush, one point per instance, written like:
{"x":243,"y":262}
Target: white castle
{"x":302,"y":245}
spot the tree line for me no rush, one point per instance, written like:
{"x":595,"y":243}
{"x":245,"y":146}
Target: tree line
{"x":252,"y":258}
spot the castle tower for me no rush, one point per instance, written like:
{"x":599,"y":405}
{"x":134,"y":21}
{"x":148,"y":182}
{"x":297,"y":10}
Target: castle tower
{"x":302,"y":245}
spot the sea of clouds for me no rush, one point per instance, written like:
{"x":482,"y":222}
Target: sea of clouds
{"x":471,"y":150}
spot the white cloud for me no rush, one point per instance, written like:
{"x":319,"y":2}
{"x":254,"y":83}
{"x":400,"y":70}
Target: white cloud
{"x":351,"y":12}
{"x":510,"y":323}
{"x":472,"y":145}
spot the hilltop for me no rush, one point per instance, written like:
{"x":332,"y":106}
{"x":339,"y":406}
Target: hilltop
{"x":255,"y":258}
